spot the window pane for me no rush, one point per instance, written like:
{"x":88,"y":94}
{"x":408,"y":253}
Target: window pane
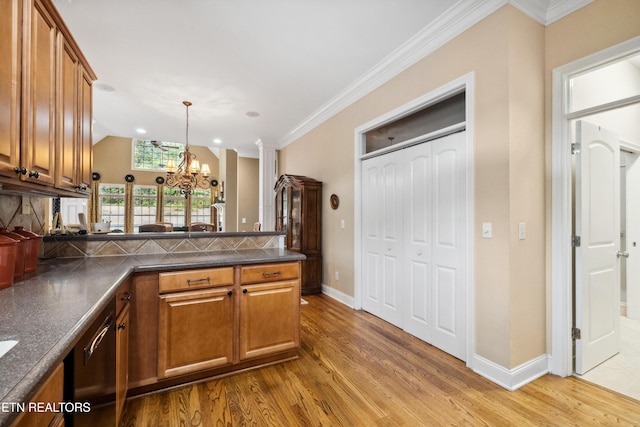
{"x":201,"y":206}
{"x":174,"y":207}
{"x":112,"y":205}
{"x":606,"y":84}
{"x":144,"y":205}
{"x":153,"y":155}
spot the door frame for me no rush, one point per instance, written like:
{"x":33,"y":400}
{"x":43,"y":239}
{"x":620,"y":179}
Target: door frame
{"x":561,"y":352}
{"x":466,"y":84}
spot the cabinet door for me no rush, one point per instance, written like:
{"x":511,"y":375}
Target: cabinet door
{"x":38,"y":145}
{"x":195,"y":331}
{"x":67,"y":116}
{"x":269,"y":318}
{"x":85,"y":144}
{"x":10,"y":65}
{"x":122,"y":359}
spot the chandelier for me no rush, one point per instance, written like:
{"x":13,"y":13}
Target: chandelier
{"x":188,"y":175}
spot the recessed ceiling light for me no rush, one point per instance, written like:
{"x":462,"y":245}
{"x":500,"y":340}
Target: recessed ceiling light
{"x":253,"y":114}
{"x":140,"y":130}
{"x":217,"y":141}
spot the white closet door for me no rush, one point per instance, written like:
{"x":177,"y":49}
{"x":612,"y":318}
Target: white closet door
{"x":417,"y":241}
{"x":449,"y":248}
{"x":414,"y":235}
{"x":382,"y":202}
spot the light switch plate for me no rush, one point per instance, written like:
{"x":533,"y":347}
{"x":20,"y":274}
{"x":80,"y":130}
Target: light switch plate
{"x":487,"y":231}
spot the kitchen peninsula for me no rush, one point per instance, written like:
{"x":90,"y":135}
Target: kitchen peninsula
{"x":48,"y":312}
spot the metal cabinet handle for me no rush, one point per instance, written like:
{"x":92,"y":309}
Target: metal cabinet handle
{"x":122,"y":326}
{"x":20,"y":171}
{"x":127,"y":296}
{"x":205,"y":279}
{"x":275,"y":273}
{"x":244,"y":291}
{"x":34,"y":174}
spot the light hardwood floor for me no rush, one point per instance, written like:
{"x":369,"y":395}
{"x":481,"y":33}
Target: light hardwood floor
{"x":357,"y":370}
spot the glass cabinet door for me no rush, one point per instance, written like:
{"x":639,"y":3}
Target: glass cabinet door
{"x":296,"y":222}
{"x":284,"y":210}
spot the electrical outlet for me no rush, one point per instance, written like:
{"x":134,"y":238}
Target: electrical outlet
{"x":26,"y":205}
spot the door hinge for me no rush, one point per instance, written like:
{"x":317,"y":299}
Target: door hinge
{"x":575,"y":148}
{"x":575,"y":334}
{"x":575,"y":241}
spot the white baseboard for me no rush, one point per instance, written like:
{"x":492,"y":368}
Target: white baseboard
{"x":338,"y":296}
{"x":511,"y":379}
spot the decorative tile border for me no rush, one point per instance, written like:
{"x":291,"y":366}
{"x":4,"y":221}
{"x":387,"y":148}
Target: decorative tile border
{"x":156,"y":243}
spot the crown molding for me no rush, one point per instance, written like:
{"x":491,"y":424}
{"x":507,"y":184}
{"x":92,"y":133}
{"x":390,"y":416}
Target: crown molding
{"x":460,"y":17}
{"x":548,"y":11}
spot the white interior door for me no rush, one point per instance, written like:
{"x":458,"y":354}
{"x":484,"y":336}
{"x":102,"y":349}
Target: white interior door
{"x":449,"y":245}
{"x":597,"y":265}
{"x":382,"y":231}
{"x":70,"y":208}
{"x":418,"y":241}
{"x":633,"y":238}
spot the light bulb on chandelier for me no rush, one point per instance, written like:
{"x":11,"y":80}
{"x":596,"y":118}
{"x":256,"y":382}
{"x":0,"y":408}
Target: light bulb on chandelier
{"x":187,"y":175}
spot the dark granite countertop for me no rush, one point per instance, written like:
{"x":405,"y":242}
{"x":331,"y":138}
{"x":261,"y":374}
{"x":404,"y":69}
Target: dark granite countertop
{"x":48,"y":312}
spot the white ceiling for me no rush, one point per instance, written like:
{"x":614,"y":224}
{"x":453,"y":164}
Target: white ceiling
{"x":284,"y":59}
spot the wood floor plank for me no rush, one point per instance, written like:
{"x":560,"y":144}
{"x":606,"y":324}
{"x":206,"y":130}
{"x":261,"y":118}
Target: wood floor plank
{"x":357,"y":370}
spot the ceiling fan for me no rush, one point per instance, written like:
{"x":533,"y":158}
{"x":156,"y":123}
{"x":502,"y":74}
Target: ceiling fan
{"x":158,"y":144}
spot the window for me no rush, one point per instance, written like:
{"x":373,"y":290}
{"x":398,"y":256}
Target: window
{"x":201,"y":206}
{"x":153,"y":155}
{"x":174,"y":207}
{"x":145,"y":202}
{"x":112,"y":205}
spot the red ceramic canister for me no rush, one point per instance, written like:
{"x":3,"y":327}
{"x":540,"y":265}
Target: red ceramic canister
{"x":31,"y":261}
{"x":21,"y":251}
{"x":7,"y":260}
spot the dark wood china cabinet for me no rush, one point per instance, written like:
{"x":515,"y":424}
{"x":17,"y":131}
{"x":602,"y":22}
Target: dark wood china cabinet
{"x":299,"y":214}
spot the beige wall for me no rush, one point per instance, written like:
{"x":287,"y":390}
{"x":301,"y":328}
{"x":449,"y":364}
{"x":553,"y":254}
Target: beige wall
{"x":248,"y":183}
{"x":502,"y":50}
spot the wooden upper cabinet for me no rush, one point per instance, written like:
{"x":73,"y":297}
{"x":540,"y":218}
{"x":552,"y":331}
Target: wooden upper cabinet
{"x":45,"y":128}
{"x":85,"y":144}
{"x":39,"y":96}
{"x":67,"y":116}
{"x":10,"y":84}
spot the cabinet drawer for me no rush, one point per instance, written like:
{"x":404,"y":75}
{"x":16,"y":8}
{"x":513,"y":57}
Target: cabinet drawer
{"x":269,"y":273}
{"x":195,"y":279}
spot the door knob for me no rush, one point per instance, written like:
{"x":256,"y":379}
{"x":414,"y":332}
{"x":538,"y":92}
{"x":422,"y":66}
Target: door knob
{"x":621,"y":254}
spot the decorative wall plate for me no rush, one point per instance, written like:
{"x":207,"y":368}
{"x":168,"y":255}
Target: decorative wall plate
{"x":335,"y":201}
{"x":214,"y":182}
{"x":129,"y":178}
{"x":159,"y":180}
{"x":95,"y":176}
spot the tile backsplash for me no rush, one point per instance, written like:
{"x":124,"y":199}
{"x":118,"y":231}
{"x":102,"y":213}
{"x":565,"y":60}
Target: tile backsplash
{"x":11,"y":212}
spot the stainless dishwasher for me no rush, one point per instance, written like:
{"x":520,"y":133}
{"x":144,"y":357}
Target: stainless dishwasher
{"x":90,"y":374}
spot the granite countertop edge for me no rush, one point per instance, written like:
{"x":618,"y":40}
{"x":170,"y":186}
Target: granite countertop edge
{"x":22,"y":389}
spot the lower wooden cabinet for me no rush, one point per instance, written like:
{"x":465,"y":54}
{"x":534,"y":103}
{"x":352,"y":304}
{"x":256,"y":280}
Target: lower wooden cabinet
{"x":122,"y":358}
{"x":269,"y":318}
{"x":188,"y":325}
{"x":195,"y":331}
{"x":51,"y":392}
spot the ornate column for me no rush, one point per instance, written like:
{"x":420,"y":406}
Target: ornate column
{"x":268,"y":176}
